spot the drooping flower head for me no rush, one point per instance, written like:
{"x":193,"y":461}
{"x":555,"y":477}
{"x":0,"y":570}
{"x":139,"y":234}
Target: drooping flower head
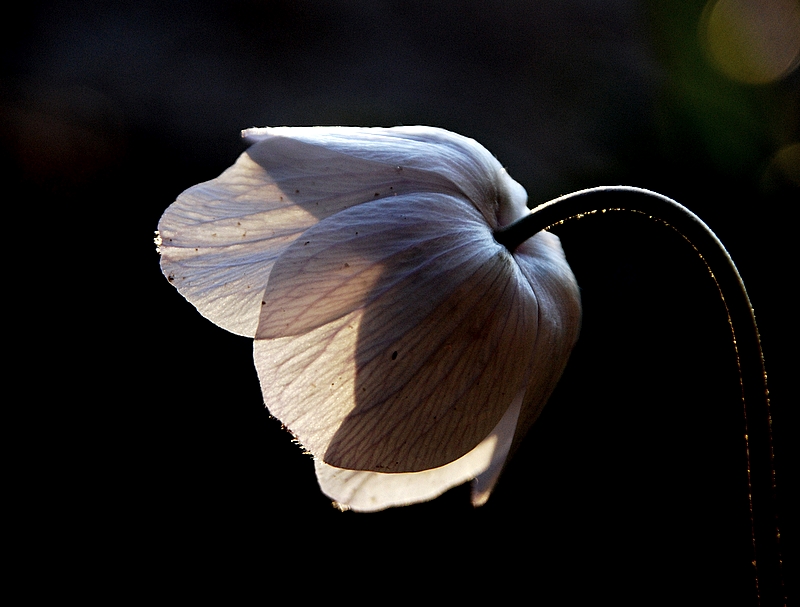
{"x":398,"y":341}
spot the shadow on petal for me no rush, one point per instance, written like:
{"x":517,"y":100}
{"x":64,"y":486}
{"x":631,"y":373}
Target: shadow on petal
{"x":366,"y":491}
{"x":413,"y":347}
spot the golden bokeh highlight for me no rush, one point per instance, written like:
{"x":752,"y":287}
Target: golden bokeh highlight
{"x":752,"y":41}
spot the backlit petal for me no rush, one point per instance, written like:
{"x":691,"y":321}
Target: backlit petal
{"x":406,"y":359}
{"x":365,"y":491}
{"x":220,"y":238}
{"x":542,"y":262}
{"x":440,"y":161}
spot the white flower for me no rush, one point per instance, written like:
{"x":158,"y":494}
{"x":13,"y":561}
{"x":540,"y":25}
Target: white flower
{"x":394,"y":337}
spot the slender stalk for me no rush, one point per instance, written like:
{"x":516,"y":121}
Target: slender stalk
{"x":746,"y":341}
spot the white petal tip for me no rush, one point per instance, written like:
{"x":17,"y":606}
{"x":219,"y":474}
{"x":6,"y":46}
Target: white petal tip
{"x":479,"y":498}
{"x":253,"y":134}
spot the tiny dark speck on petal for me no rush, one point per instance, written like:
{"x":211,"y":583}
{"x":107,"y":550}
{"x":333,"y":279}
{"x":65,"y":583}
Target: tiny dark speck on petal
{"x":394,"y":355}
{"x":377,"y":193}
{"x":306,"y":242}
{"x":297,"y":191}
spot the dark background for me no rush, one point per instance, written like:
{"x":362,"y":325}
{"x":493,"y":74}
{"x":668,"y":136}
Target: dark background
{"x":163,"y":459}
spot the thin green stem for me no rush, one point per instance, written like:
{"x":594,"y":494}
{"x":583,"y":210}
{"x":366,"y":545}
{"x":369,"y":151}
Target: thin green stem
{"x":746,"y":340}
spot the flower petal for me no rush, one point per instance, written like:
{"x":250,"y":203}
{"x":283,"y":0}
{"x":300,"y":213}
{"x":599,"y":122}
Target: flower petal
{"x":408,"y":358}
{"x":442,"y":161}
{"x":541,"y":260}
{"x":349,"y":260}
{"x":366,"y":491}
{"x":220,"y":238}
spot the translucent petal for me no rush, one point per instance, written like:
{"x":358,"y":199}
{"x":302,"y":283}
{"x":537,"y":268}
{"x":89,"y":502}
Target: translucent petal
{"x":406,"y":358}
{"x":443,"y":161}
{"x":365,"y":491}
{"x":220,"y":238}
{"x":541,"y":260}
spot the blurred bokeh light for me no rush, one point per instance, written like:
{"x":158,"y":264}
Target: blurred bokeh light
{"x":752,"y":41}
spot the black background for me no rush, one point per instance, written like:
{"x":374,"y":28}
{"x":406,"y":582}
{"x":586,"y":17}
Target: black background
{"x":155,"y":450}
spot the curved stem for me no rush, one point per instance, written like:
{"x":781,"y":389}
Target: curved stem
{"x":752,"y":375}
